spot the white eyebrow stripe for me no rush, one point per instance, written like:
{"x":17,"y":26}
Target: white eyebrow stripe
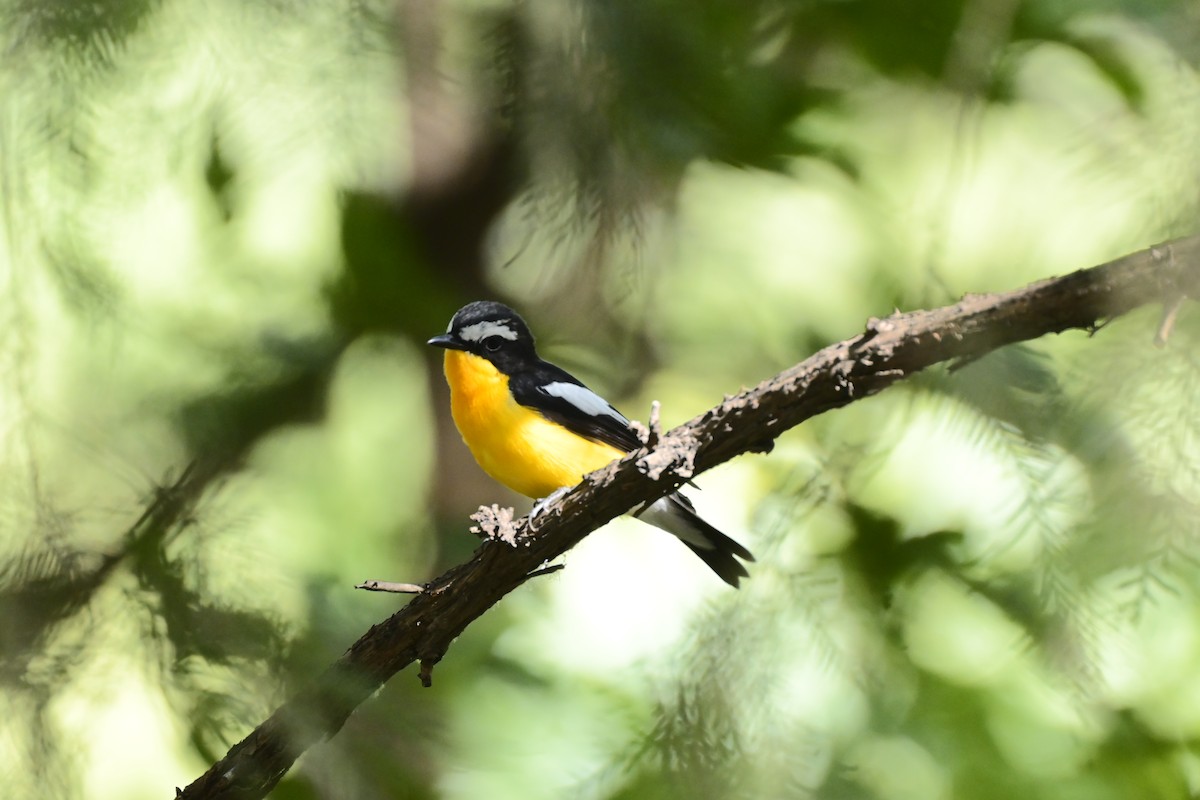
{"x":583,"y":399}
{"x":482,"y":330}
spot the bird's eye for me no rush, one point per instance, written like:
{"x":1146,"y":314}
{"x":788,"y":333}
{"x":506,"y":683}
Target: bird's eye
{"x":493,"y":343}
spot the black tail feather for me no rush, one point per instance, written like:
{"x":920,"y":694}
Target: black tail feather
{"x":722,"y":554}
{"x":722,"y":562}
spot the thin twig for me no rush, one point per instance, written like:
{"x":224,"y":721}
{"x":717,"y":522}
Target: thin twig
{"x":537,"y":573}
{"x":653,"y":425}
{"x":391,"y":586}
{"x":1167,"y":324}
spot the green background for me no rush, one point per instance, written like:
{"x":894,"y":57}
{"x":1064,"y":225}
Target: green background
{"x":229,"y":227}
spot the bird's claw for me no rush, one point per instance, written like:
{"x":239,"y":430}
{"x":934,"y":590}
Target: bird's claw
{"x":541,"y":506}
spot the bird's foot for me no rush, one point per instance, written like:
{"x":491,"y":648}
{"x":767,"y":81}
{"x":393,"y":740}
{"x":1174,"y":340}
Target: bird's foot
{"x":541,"y":506}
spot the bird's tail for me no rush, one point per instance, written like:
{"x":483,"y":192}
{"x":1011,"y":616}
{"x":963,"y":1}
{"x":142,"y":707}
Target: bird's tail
{"x":675,"y":514}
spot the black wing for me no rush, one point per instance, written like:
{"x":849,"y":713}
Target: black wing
{"x":561,"y":398}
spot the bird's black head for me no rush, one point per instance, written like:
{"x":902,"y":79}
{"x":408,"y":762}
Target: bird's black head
{"x":489,"y":330}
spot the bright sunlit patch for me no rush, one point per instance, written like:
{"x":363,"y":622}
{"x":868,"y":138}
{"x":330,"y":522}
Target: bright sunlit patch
{"x":650,"y":584}
{"x":289,"y":226}
{"x":1169,"y":703}
{"x":1041,"y":725}
{"x":897,"y":768}
{"x":159,"y":244}
{"x":952,"y":469}
{"x":627,"y":593}
{"x":822,"y":696}
{"x":786,"y":254}
{"x":131,"y":742}
{"x":958,"y":635}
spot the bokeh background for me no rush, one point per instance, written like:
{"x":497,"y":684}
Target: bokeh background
{"x":227,"y":229}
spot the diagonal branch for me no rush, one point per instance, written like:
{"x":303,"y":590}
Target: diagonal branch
{"x":890,"y":350}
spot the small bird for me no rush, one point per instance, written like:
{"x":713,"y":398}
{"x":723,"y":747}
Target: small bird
{"x":537,"y":429}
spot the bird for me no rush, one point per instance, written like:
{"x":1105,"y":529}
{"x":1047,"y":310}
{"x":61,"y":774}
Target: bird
{"x":538,"y":430}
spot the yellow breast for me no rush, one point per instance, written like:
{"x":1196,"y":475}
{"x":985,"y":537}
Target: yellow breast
{"x":514,"y":444}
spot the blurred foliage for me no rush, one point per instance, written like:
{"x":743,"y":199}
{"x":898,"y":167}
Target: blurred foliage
{"x":228,"y":228}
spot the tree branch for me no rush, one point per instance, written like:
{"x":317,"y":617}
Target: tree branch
{"x":890,"y":350}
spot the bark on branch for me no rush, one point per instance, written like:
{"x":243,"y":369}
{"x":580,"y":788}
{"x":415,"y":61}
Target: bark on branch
{"x":889,"y":350}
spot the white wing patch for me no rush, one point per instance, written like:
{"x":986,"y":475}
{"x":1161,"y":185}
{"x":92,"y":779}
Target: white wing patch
{"x":482,"y":330}
{"x":584,"y":399}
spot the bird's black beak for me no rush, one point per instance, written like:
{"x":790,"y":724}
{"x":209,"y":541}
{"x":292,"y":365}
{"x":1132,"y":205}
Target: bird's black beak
{"x":447,"y":341}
